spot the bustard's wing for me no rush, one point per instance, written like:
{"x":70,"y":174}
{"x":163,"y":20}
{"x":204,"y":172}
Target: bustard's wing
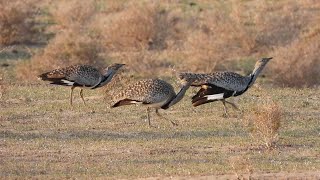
{"x":84,"y":75}
{"x":77,"y":75}
{"x":227,"y":80}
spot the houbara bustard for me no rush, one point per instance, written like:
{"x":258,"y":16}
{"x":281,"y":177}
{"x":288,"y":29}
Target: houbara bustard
{"x":152,"y":93}
{"x":82,"y":76}
{"x":219,"y":86}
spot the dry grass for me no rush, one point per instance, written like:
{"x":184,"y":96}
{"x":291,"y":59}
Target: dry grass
{"x":67,"y":48}
{"x":298,"y":64}
{"x":17,"y":23}
{"x":128,"y":30}
{"x":72,"y":14}
{"x":42,"y":137}
{"x":3,"y":87}
{"x":241,"y":165}
{"x":264,"y":122}
{"x":202,"y":36}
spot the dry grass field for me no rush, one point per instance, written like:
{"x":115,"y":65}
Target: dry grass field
{"x":275,"y":135}
{"x":41,"y":136}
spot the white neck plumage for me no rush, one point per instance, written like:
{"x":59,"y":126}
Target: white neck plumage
{"x":255,"y":73}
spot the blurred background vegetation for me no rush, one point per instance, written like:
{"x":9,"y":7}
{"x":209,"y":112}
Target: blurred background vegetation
{"x":154,"y":37}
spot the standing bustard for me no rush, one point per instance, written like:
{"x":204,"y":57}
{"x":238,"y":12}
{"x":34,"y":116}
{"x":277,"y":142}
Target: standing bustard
{"x":219,"y":86}
{"x":152,"y":93}
{"x":83,"y":76}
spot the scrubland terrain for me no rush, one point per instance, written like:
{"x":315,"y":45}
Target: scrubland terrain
{"x":275,"y":135}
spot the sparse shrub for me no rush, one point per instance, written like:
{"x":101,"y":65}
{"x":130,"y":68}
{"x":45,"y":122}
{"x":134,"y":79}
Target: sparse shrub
{"x":298,"y":64}
{"x":216,"y":38}
{"x":131,"y":29}
{"x":72,"y":13}
{"x":67,"y":48}
{"x":264,"y":122}
{"x":241,"y":165}
{"x":17,"y":23}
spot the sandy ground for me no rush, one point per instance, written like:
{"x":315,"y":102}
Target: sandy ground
{"x":278,"y":176}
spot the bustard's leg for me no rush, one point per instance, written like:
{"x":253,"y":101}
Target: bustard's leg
{"x":233,"y":105}
{"x":172,"y":122}
{"x":71,"y":95}
{"x":148,"y":116}
{"x":81,"y":95}
{"x":225,"y":107}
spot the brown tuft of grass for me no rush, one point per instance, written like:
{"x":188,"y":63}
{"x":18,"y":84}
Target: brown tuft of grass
{"x":241,"y":165}
{"x":72,"y":14}
{"x":213,"y":36}
{"x":17,"y":23}
{"x":298,"y":64}
{"x":67,"y":48}
{"x":203,"y":36}
{"x":135,"y":27}
{"x":264,"y":122}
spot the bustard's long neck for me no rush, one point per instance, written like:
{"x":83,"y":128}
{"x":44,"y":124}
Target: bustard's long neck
{"x":255,"y":73}
{"x":175,"y":99}
{"x":106,"y":78}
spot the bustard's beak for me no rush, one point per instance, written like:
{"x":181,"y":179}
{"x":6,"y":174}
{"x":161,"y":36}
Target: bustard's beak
{"x":269,"y":58}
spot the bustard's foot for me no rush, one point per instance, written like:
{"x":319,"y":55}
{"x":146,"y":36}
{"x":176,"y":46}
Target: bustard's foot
{"x":174,"y":123}
{"x":152,"y":126}
{"x":225,"y":115}
{"x":162,"y":117}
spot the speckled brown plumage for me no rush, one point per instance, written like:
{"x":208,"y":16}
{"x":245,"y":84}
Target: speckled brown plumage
{"x":228,"y":80}
{"x":153,"y":93}
{"x":80,"y":75}
{"x":148,"y":91}
{"x":83,"y":76}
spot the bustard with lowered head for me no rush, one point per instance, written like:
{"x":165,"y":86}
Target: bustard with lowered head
{"x":152,"y":93}
{"x":83,"y":76}
{"x":219,"y":86}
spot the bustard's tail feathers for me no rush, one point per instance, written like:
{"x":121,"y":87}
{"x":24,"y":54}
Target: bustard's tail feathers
{"x":200,"y":101}
{"x":56,"y":78}
{"x":215,"y":96}
{"x":206,"y":99}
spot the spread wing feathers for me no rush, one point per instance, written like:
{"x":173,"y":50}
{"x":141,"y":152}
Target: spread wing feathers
{"x":228,"y":80}
{"x":125,"y":102}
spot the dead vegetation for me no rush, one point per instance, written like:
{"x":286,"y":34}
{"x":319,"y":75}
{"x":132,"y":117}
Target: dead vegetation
{"x":3,"y":87}
{"x":42,"y":137}
{"x":241,"y":165}
{"x":264,"y":122}
{"x":298,"y":64}
{"x":202,"y":36}
{"x":67,"y":48}
{"x":17,"y":23}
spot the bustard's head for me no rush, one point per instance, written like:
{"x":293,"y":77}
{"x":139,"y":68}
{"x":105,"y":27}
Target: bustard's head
{"x":114,"y":67}
{"x":262,"y":62}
